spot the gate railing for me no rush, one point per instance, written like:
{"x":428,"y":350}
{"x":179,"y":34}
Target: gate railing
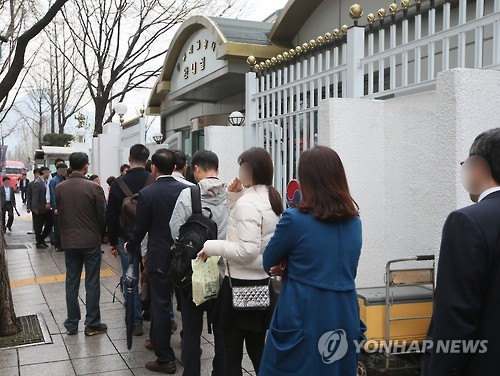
{"x":392,"y":55}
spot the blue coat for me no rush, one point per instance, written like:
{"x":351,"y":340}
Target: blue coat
{"x":316,"y":319}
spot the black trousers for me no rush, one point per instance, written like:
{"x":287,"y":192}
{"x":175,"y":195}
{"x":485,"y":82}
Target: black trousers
{"x":23,"y":195}
{"x":42,"y":223}
{"x":57,"y":232}
{"x":161,"y":299}
{"x":192,"y":327}
{"x":9,"y":209}
{"x":233,"y":346}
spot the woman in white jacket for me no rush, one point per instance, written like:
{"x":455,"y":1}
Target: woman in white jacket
{"x":255,"y":209}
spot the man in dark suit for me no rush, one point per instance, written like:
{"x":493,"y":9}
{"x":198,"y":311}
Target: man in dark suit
{"x":154,"y":209}
{"x":40,"y":205}
{"x":8,"y":203}
{"x":464,"y":326}
{"x":23,"y":186}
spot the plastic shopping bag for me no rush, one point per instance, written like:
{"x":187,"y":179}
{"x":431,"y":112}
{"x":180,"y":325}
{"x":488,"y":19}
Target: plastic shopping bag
{"x":205,"y":279}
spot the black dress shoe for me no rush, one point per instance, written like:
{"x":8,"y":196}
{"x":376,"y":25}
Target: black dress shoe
{"x":46,"y":245}
{"x":169,"y":367}
{"x":10,"y":228}
{"x":41,"y":246}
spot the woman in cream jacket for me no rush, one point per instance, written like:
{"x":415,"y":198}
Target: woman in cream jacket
{"x":255,"y":209}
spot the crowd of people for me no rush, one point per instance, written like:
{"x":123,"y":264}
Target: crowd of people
{"x":314,"y":245}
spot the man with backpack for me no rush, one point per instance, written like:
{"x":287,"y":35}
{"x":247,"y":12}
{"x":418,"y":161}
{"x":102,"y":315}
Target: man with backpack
{"x":122,"y":187}
{"x":205,"y":166}
{"x":154,"y":210}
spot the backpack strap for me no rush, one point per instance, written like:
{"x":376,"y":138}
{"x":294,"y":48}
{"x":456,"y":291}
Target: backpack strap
{"x":151,"y":180}
{"x":196,"y":199}
{"x":124,"y":187}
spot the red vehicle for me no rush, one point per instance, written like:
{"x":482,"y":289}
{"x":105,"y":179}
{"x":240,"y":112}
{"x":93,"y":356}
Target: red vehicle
{"x":14,"y":170}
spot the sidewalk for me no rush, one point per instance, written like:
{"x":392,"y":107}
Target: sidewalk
{"x":37,"y":280}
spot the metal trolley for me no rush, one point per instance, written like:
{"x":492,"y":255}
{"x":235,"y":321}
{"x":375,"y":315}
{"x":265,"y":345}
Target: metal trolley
{"x":399,"y":311}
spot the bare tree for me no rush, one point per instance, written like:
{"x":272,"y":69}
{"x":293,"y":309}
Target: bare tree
{"x":122,"y":43}
{"x":9,"y":324}
{"x":66,"y":87}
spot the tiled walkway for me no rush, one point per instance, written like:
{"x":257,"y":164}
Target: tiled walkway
{"x":37,"y":279}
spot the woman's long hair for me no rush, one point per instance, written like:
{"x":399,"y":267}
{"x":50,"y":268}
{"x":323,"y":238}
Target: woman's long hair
{"x":261,"y":165}
{"x":323,"y":182}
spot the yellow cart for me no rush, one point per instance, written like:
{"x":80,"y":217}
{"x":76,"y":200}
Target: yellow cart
{"x":397,"y":315}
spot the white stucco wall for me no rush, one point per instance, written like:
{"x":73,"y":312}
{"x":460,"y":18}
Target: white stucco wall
{"x":402,"y":160}
{"x":227,"y":143}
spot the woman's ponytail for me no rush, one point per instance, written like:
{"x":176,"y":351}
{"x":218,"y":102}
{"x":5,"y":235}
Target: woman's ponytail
{"x":276,"y":201}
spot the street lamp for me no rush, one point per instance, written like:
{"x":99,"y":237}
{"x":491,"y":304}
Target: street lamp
{"x":121,"y":109}
{"x":236,"y":118}
{"x":158,"y":137}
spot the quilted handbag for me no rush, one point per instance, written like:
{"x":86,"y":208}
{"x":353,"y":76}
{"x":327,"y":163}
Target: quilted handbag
{"x":256,"y":297}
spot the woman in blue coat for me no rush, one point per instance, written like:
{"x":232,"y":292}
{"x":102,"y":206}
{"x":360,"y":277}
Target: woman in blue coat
{"x":316,"y":321}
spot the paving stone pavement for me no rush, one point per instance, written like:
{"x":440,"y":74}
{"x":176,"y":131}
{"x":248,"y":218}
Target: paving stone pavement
{"x":105,"y":354}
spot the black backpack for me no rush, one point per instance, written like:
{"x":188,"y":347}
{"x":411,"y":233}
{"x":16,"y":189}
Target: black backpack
{"x":192,"y":236}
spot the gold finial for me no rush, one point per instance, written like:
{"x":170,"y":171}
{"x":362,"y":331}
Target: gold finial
{"x":251,"y":60}
{"x":355,"y":12}
{"x":405,"y":4}
{"x":381,"y":13}
{"x":418,"y":2}
{"x":371,"y":18}
{"x":344,"y":29}
{"x":268,"y":63}
{"x":312,"y":43}
{"x":279,"y":57}
{"x":305,"y":46}
{"x":256,"y":67}
{"x":292,"y":52}
{"x":262,"y":65}
{"x":274,"y":60}
{"x":393,"y":8}
{"x":286,"y":56}
{"x":298,"y":50}
{"x":328,"y":37}
{"x":320,"y":40}
{"x":336,"y":33}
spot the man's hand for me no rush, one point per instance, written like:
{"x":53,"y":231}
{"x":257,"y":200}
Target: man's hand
{"x":47,"y":206}
{"x":28,"y":210}
{"x":144,"y":260}
{"x":56,"y":212}
{"x":114,"y":250}
{"x":36,"y":211}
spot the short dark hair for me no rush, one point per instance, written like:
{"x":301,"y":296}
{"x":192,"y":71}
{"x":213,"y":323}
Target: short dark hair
{"x":43,"y":169}
{"x":78,"y":160}
{"x":206,"y":160}
{"x":323,"y":182}
{"x":62,"y":165}
{"x":180,"y":159}
{"x":164,"y":161}
{"x":93,"y":177}
{"x":6,"y":178}
{"x":139,"y":153}
{"x":110,"y":180}
{"x":261,"y":164}
{"x":57,"y":161}
{"x":36,"y":171}
{"x":123,"y":167}
{"x":487,"y":145}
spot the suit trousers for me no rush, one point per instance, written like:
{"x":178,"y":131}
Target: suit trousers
{"x":192,"y":327}
{"x":161,"y":300}
{"x":42,"y":223}
{"x":7,"y":209}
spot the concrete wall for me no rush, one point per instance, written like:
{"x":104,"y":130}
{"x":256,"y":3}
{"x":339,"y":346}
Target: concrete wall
{"x":227,"y":143}
{"x":402,"y":160}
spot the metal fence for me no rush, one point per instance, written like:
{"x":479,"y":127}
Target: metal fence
{"x":394,"y":54}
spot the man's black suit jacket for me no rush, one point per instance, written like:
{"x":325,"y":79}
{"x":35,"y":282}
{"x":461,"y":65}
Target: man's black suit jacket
{"x":467,"y":298}
{"x":154,"y":210}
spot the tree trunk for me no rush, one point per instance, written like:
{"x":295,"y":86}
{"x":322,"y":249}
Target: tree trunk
{"x":9,"y":323}
{"x":100,"y":111}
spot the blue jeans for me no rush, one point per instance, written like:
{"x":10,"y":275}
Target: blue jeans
{"x":75,"y":260}
{"x":125,"y":263}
